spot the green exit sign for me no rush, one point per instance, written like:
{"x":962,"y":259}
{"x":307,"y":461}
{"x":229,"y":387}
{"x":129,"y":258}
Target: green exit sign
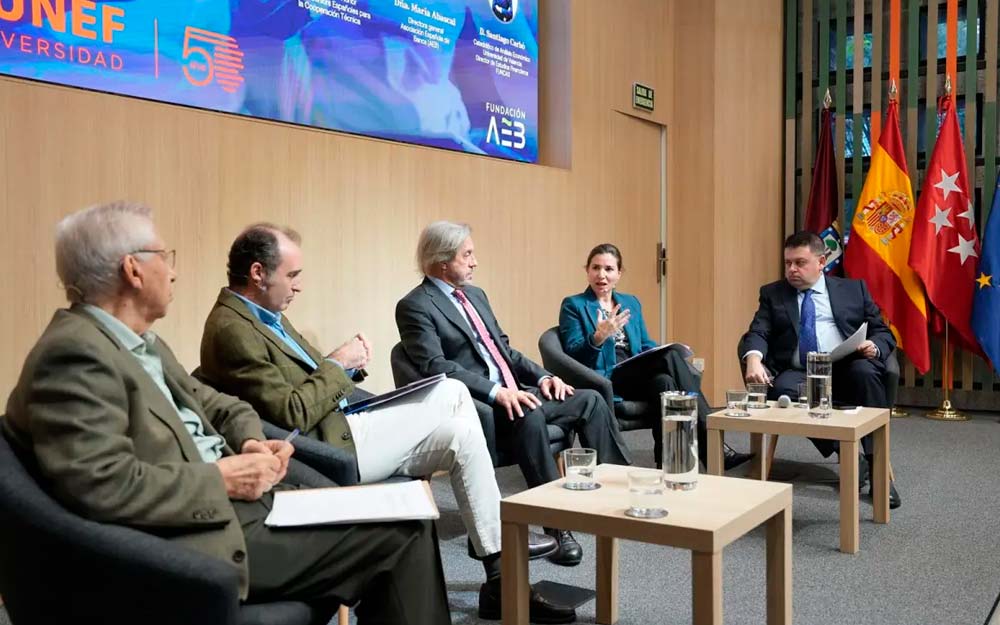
{"x":642,"y":97}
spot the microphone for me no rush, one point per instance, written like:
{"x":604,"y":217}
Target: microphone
{"x":784,"y":402}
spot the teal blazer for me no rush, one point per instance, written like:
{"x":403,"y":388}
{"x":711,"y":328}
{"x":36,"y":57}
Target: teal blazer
{"x":578,"y":322}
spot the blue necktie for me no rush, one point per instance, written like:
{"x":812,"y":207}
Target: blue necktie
{"x":807,"y":327}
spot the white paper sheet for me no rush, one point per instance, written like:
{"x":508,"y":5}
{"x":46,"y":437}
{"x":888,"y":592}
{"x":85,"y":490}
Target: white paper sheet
{"x":850,"y":344}
{"x":374,"y":503}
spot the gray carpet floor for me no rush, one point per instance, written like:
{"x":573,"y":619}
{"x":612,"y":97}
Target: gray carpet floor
{"x":935,"y":563}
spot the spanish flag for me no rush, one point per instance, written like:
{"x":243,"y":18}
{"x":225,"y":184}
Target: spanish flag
{"x":879,"y":248}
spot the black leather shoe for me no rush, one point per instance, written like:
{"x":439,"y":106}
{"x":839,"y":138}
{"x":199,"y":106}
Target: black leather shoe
{"x":732,"y":458}
{"x":540,"y":609}
{"x":895,"y":500}
{"x":864,"y":472}
{"x":569,"y":553}
{"x":539,"y":546}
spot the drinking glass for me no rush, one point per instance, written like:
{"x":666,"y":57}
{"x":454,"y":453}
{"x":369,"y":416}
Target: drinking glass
{"x":736,"y":403}
{"x":680,"y":441}
{"x":645,"y":494}
{"x":580,"y":464}
{"x":819,"y":384}
{"x":803,"y":400}
{"x":757,"y":395}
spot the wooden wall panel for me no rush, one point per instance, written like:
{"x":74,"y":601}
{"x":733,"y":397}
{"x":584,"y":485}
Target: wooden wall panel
{"x":725,"y":217}
{"x":360,"y":203}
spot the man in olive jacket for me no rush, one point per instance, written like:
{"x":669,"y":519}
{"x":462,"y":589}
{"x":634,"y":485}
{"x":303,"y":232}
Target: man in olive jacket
{"x":249,"y":349}
{"x":121,"y":434}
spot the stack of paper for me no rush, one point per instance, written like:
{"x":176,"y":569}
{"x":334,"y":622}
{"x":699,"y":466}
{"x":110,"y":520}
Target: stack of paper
{"x":373,"y":503}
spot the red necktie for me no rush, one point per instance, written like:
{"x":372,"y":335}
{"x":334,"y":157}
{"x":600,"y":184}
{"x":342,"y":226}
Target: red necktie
{"x":508,"y":376}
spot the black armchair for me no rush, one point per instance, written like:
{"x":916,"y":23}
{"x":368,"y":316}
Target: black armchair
{"x":631,"y":415}
{"x":404,"y":372}
{"x":333,"y":462}
{"x":58,"y":567}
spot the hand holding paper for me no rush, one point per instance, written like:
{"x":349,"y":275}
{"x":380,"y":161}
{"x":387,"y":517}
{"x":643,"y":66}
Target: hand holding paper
{"x":851,"y":344}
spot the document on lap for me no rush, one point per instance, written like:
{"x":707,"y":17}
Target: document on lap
{"x":685,"y":351}
{"x":372,"y":503}
{"x":850,"y":344}
{"x":402,"y":391}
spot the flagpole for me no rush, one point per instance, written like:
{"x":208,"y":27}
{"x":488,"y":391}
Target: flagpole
{"x":946,"y":412}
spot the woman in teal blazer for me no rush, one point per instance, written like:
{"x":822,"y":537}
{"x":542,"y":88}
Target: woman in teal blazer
{"x":601,"y":327}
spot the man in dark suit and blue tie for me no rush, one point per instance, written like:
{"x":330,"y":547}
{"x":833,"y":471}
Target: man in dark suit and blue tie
{"x":810,"y":311}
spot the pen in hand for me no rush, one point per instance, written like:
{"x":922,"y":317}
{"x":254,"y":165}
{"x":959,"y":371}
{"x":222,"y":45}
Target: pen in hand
{"x":291,"y":435}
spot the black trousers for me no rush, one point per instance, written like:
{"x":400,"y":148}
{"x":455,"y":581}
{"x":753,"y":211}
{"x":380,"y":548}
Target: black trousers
{"x":585,"y":413}
{"x":393,"y":569}
{"x":857,"y":381}
{"x":644,"y":380}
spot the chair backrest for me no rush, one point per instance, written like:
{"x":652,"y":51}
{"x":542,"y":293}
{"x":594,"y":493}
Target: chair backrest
{"x":56,"y":566}
{"x":403,"y":369}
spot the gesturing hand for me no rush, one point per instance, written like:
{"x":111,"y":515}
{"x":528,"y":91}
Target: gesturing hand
{"x":354,"y":353}
{"x":609,"y":326}
{"x":247,"y":476}
{"x":513,"y":400}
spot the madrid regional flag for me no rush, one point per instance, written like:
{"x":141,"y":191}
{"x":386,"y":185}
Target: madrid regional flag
{"x":945,"y":250}
{"x":879,"y":248}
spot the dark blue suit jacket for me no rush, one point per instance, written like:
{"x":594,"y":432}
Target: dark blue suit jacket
{"x":578,"y":322}
{"x":774,"y":330}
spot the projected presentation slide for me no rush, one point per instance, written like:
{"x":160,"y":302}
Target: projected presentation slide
{"x":461,"y":75}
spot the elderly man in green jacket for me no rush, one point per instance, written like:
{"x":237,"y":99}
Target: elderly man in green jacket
{"x":123,"y":435}
{"x":249,"y":349}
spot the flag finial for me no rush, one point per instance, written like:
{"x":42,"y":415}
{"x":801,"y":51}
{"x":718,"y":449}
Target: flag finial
{"x":892,"y":90}
{"x":827,"y":100}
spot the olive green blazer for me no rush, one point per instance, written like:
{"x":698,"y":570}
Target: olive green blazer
{"x":111,"y":447}
{"x":243,"y":357}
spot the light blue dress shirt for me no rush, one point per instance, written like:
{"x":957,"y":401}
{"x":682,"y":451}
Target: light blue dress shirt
{"x":273,"y":322}
{"x":828,"y":336}
{"x":142,"y":347}
{"x":494,"y":370}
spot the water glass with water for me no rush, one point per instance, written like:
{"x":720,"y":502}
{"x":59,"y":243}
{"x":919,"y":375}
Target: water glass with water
{"x":803,"y":400}
{"x":680,"y":441}
{"x":645,"y":494}
{"x":757,"y":395}
{"x":819,"y":384}
{"x":580,"y":464}
{"x":736,"y":403}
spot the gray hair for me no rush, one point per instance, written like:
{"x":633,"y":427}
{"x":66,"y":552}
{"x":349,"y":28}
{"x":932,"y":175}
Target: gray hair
{"x":91,"y":243}
{"x":439,"y":243}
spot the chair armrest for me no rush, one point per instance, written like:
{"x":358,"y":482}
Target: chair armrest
{"x":571,"y":370}
{"x":332,"y":462}
{"x":142,"y":577}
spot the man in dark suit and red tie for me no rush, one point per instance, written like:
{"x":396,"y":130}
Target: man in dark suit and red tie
{"x":447,"y":326}
{"x":810,"y":311}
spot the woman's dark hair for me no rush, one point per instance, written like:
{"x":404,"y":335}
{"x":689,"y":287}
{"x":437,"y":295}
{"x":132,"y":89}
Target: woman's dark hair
{"x":606,"y":248}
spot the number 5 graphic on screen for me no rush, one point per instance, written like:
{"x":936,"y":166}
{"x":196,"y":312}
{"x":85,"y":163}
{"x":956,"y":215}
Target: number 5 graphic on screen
{"x":193,"y":66}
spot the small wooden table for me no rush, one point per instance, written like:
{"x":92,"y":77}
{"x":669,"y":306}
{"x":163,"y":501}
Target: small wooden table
{"x":845,"y":426}
{"x":704,"y":520}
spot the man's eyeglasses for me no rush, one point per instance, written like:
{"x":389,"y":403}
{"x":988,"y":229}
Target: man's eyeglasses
{"x":170,"y":256}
